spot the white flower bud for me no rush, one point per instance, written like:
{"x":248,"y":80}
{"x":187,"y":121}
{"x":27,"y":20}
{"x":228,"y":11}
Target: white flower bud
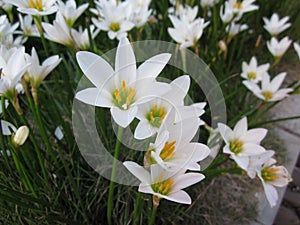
{"x":21,"y":135}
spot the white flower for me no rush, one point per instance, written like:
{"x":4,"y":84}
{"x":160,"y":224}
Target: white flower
{"x":173,"y":149}
{"x":273,"y":176}
{"x":297,"y":49}
{"x":241,"y":142}
{"x":58,"y":32}
{"x":233,"y":29}
{"x":185,"y":34}
{"x":151,"y":114}
{"x":81,"y":37}
{"x":36,"y":72}
{"x":70,"y":11}
{"x":124,"y":88}
{"x":252,"y":71}
{"x":275,"y":26}
{"x":6,"y":29}
{"x":115,"y":19}
{"x":241,"y":7}
{"x":35,"y":7}
{"x":269,"y":90}
{"x":139,"y":18}
{"x":226,"y":12}
{"x":187,"y":13}
{"x":278,"y":48}
{"x":164,"y":184}
{"x":28,"y":28}
{"x":12,"y":69}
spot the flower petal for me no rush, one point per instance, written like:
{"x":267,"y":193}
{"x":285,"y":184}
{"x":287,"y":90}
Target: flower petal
{"x":186,"y":180}
{"x":180,"y":197}
{"x":93,"y":96}
{"x":123,"y":117}
{"x":255,"y":135}
{"x":144,"y":130}
{"x":138,"y":171}
{"x":271,"y":194}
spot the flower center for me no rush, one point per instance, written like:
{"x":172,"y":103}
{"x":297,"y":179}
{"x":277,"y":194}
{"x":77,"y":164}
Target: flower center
{"x":168,"y":150}
{"x":156,"y":116}
{"x":269,"y":174}
{"x":251,"y":75}
{"x":236,"y":146}
{"x":115,"y":27}
{"x":37,"y":4}
{"x":162,"y":187}
{"x":237,"y":5}
{"x":124,"y":97}
{"x":268,"y":95}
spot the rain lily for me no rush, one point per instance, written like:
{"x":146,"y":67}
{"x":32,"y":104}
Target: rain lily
{"x":186,"y":34}
{"x":226,"y":12}
{"x":124,"y":88}
{"x":252,"y":71}
{"x":70,"y":11}
{"x":278,"y":48}
{"x":139,"y":18}
{"x":6,"y":29}
{"x":164,"y":184}
{"x":58,"y":32}
{"x":275,"y":25}
{"x":114,"y":19}
{"x":241,"y":7}
{"x":269,"y":90}
{"x":173,"y":149}
{"x":187,"y":13}
{"x":233,"y":29}
{"x":273,"y":176}
{"x":81,"y":37}
{"x":35,"y":7}
{"x":12,"y":69}
{"x":36,"y":72}
{"x":28,"y":28}
{"x":297,"y":49}
{"x":241,"y":143}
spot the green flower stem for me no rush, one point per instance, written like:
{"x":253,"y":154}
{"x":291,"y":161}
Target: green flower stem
{"x":153,"y":215}
{"x":113,"y":174}
{"x":212,"y":173}
{"x":137,"y":208}
{"x":38,"y":23}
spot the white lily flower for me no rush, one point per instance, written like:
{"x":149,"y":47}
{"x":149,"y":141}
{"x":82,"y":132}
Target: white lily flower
{"x":12,"y":69}
{"x":233,"y":29}
{"x":58,"y":32}
{"x":81,"y":37}
{"x":152,"y":113}
{"x":70,"y":11}
{"x":226,"y":12}
{"x":273,"y":176}
{"x":269,"y":90}
{"x":173,"y":149}
{"x":278,"y":48}
{"x":35,"y":7}
{"x":124,"y":88}
{"x":27,"y":26}
{"x":241,"y":143}
{"x":187,"y":13}
{"x":252,"y":71}
{"x":297,"y":49}
{"x":164,"y":184}
{"x":241,"y":7}
{"x":115,"y":19}
{"x":185,"y":34}
{"x":36,"y":72}
{"x":275,"y":25}
{"x":6,"y":29}
{"x":140,"y":18}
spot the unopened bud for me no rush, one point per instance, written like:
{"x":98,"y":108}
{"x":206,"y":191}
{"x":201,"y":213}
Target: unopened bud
{"x":20,"y":136}
{"x":223,"y":46}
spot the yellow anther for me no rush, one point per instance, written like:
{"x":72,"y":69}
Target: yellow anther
{"x":251,"y":75}
{"x":236,"y":146}
{"x":37,"y":4}
{"x":270,"y":174}
{"x":268,"y":95}
{"x":115,"y":27}
{"x":130,"y":96}
{"x":155,"y":108}
{"x":151,"y":116}
{"x":238,"y":5}
{"x":123,"y":86}
{"x":162,"y":187}
{"x":161,"y":111}
{"x":117,"y":95}
{"x":168,"y":150}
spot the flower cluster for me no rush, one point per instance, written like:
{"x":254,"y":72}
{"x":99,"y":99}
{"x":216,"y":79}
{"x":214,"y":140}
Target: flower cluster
{"x":132,"y":92}
{"x":243,"y":146}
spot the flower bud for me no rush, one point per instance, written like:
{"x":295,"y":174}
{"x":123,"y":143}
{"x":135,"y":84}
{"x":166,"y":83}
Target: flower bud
{"x":223,"y":46}
{"x":20,"y":136}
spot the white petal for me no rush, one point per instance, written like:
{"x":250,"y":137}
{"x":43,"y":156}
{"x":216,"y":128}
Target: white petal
{"x":180,"y":197}
{"x":138,"y":171}
{"x":93,"y":96}
{"x":271,"y":194}
{"x":255,"y":135}
{"x":125,"y":63}
{"x":7,"y":128}
{"x":94,"y":67}
{"x":277,"y":81}
{"x":123,"y":117}
{"x":225,"y":132}
{"x":240,"y":128}
{"x":242,"y":162}
{"x":144,"y":130}
{"x":251,"y":149}
{"x":152,"y":67}
{"x":186,"y":180}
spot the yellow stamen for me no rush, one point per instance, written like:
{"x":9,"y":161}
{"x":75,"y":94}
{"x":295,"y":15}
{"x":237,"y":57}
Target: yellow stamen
{"x":117,"y":95}
{"x":251,"y":75}
{"x":268,"y":95}
{"x":237,"y":5}
{"x":151,"y":116}
{"x":37,"y":4}
{"x":155,"y":108}
{"x":168,"y":150}
{"x":130,"y":96}
{"x":115,"y":27}
{"x":162,"y":187}
{"x":161,"y":111}
{"x":236,"y":146}
{"x":123,"y":86}
{"x":269,"y":174}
